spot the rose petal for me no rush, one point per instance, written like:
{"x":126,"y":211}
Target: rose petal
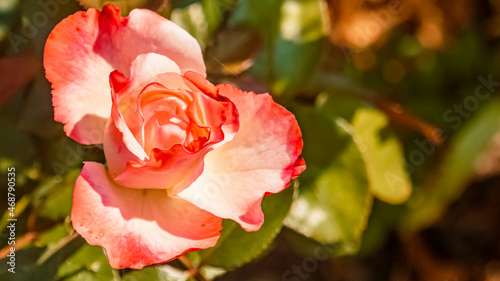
{"x":120,"y":145}
{"x":161,"y":116}
{"x":147,"y":32}
{"x":208,"y":112}
{"x":261,"y":159}
{"x":165,"y":168}
{"x":128,"y":93}
{"x":137,"y":227}
{"x":231,"y":123}
{"x":124,"y":139}
{"x":142,"y":71}
{"x":175,"y":167}
{"x":201,"y":83}
{"x":163,"y":133}
{"x":86,"y":47}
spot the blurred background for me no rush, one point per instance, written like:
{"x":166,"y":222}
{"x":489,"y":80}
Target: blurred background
{"x":399,"y":109}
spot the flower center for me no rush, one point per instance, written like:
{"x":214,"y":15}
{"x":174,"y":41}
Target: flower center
{"x":172,"y":117}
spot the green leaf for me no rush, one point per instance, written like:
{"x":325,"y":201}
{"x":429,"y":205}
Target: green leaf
{"x":383,"y":155}
{"x":334,"y":201}
{"x":457,"y":167}
{"x":176,"y":4}
{"x":9,"y":16}
{"x":381,"y":150}
{"x":38,"y":20}
{"x":18,"y":145}
{"x":88,"y":263}
{"x":202,"y":18}
{"x":214,"y":11}
{"x":40,"y":263}
{"x":384,"y":218}
{"x":52,"y":197}
{"x":294,"y":64}
{"x":192,"y":19}
{"x":260,"y":16}
{"x":51,"y":236}
{"x":157,"y":273}
{"x":59,"y":201}
{"x":38,"y":114}
{"x":237,"y":247}
{"x":313,"y":218}
{"x":303,"y":21}
{"x":25,"y":264}
{"x":293,"y":42}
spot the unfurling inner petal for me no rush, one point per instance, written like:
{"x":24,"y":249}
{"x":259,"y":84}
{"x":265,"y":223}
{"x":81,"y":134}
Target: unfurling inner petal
{"x":177,"y":125}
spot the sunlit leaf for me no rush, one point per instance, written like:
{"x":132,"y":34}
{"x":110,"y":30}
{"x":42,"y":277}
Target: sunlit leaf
{"x":303,"y":21}
{"x":334,"y":201}
{"x":293,"y":40}
{"x":51,"y":236}
{"x":237,"y":247}
{"x":389,"y":181}
{"x":202,"y":18}
{"x":298,"y":50}
{"x":192,"y":19}
{"x":9,"y":16}
{"x":312,"y":218}
{"x":381,"y":150}
{"x":214,"y":11}
{"x":88,"y":263}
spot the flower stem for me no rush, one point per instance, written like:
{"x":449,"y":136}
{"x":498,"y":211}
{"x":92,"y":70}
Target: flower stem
{"x":193,"y":271}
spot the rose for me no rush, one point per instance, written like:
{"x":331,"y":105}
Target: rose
{"x":181,"y":153}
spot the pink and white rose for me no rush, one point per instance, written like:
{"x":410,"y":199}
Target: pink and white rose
{"x":181,"y":153}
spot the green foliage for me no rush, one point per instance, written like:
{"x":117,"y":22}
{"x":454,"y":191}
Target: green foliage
{"x":8,"y":10}
{"x":256,"y":15}
{"x":27,"y":271}
{"x":158,"y":273}
{"x":192,"y":18}
{"x":18,"y":147}
{"x":301,"y":34}
{"x":237,"y":247}
{"x":297,"y":31}
{"x":354,"y":157}
{"x":39,"y":119}
{"x":88,"y":263}
{"x":457,"y":167}
{"x":40,"y":263}
{"x":201,"y":18}
{"x":54,"y":202}
{"x":334,"y":200}
{"x":381,"y":150}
